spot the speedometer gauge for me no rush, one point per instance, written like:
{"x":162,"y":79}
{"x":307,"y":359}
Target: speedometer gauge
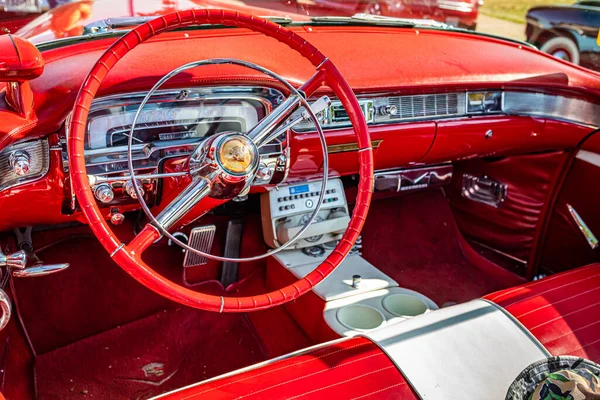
{"x":163,"y":121}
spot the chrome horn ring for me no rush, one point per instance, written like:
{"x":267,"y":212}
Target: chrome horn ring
{"x":156,"y":224}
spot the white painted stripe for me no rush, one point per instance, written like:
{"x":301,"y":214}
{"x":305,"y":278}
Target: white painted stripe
{"x":469,"y":351}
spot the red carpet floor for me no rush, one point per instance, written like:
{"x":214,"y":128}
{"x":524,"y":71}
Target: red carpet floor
{"x":413,"y":239}
{"x":153,"y":355}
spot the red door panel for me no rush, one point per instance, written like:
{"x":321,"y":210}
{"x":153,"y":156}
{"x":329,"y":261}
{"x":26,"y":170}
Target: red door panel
{"x":511,"y":227}
{"x":566,"y":247}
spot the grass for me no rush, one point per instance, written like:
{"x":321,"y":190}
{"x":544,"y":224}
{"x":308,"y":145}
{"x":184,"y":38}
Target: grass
{"x":515,"y":10}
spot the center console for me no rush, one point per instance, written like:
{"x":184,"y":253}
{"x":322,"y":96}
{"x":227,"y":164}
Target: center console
{"x":356,"y":297}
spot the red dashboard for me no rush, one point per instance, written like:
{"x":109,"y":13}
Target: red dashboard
{"x":408,"y":62}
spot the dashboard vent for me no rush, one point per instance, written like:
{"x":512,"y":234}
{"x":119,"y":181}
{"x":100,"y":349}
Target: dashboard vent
{"x":422,"y":106}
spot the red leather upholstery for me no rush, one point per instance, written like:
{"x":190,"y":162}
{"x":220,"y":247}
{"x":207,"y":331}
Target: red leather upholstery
{"x":562,"y":311}
{"x":351,"y":369}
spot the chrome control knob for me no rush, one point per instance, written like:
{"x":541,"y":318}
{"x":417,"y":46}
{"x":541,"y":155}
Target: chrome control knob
{"x":116,"y":218}
{"x":20,"y":162}
{"x":264,"y":173}
{"x":388,"y":110}
{"x":130,"y":189}
{"x":104,"y":193}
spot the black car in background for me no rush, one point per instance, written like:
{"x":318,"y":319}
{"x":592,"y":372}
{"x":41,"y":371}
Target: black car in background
{"x":567,"y":32}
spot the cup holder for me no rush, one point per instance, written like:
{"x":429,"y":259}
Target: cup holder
{"x":359,"y":317}
{"x":404,"y":305}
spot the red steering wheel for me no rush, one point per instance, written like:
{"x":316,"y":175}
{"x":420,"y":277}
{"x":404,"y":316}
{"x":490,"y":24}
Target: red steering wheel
{"x":128,"y":256}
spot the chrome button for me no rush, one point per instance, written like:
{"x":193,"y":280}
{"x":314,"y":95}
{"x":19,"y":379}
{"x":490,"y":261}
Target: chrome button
{"x":104,"y":193}
{"x":130,"y":189}
{"x":20,"y":162}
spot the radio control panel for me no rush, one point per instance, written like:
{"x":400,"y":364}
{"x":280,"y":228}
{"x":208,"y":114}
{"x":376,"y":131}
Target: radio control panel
{"x":286,"y":210}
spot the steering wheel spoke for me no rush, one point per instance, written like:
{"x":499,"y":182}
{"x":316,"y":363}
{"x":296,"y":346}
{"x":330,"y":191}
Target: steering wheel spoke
{"x":191,"y":203}
{"x":271,"y":127}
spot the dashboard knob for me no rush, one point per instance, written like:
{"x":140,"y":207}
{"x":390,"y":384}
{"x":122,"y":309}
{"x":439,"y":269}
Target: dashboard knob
{"x":264,"y":173}
{"x":20,"y":162}
{"x":104,"y":193}
{"x":116,"y":218}
{"x":388,"y":110}
{"x":130,"y":189}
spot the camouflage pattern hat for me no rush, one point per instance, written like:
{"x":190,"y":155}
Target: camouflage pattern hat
{"x":578,"y":384}
{"x":557,"y":378}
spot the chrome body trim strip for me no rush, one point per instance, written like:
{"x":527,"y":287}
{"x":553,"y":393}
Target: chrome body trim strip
{"x":588,"y":235}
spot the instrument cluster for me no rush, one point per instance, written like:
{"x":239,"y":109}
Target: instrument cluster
{"x":170,"y":126}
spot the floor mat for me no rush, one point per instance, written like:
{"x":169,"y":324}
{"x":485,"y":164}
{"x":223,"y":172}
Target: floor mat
{"x":156,"y":354}
{"x":413,"y":239}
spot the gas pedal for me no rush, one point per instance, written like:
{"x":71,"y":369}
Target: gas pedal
{"x":201,"y":239}
{"x":233,"y":242}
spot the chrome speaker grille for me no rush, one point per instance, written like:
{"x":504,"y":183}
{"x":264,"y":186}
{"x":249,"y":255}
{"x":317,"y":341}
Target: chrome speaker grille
{"x":201,"y":238}
{"x":423,"y":106}
{"x":39,"y":159}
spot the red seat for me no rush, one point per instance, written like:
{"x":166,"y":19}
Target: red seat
{"x":561,"y":311}
{"x":350,"y":369}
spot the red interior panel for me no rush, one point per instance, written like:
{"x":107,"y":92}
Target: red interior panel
{"x":354,"y":368}
{"x":562,"y":311}
{"x":565,"y":247}
{"x":511,"y":227}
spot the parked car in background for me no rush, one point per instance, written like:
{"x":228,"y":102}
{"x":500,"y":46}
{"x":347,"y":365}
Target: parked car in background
{"x":567,"y":32}
{"x":459,"y":13}
{"x":14,"y":14}
{"x":70,"y":19}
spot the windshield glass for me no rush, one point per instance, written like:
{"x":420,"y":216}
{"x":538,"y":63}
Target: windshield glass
{"x":568,"y":30}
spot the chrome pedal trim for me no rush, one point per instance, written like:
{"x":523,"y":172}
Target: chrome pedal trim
{"x":201,"y":238}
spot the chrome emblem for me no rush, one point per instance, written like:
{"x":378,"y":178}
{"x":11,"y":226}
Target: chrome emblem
{"x":237,"y":154}
{"x":154,"y":369}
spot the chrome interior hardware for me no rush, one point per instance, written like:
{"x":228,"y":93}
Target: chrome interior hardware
{"x":17,"y":260}
{"x":6,"y":309}
{"x":201,"y":238}
{"x":24,"y":162}
{"x":414,"y":178}
{"x":484,"y":102}
{"x":39,"y":270}
{"x":26,"y":255}
{"x":590,"y":238}
{"x":130,"y":190}
{"x":104,"y":193}
{"x":484,"y":190}
{"x":356,"y":280}
{"x":116,"y":218}
{"x":20,"y":162}
{"x":182,"y":237}
{"x":318,"y":106}
{"x":314,"y":251}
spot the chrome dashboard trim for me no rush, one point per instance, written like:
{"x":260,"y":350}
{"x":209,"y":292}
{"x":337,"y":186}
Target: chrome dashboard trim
{"x":518,"y":103}
{"x":555,"y":107}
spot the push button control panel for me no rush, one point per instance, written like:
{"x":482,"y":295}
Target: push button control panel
{"x":285,"y":211}
{"x":303,"y":198}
